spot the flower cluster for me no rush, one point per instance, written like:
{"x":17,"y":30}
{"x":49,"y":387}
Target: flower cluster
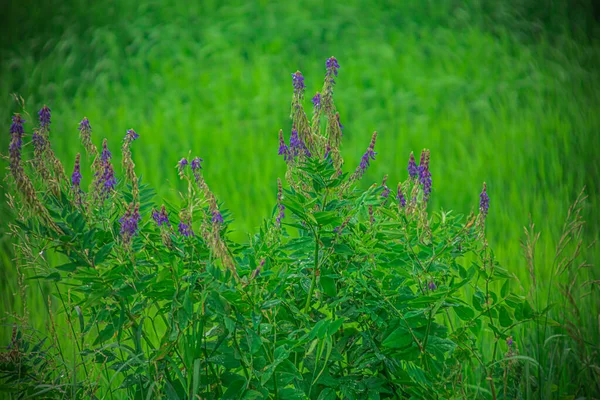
{"x":283,"y":148}
{"x":185,"y":229}
{"x":400,"y":197}
{"x":105,"y":180}
{"x":425,"y":174}
{"x":181,"y":164}
{"x":44,"y":115}
{"x":484,"y":201}
{"x":160,"y":217}
{"x":316,"y":100}
{"x":129,"y":223}
{"x":365,"y":161}
{"x":16,"y":142}
{"x":85,"y":132}
{"x":130,"y":136}
{"x":76,"y":176}
{"x":413,"y":171}
{"x":386,"y":189}
{"x":196,"y":167}
{"x":298,"y":82}
{"x":332,"y":67}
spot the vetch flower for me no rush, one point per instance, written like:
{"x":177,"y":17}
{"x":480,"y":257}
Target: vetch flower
{"x":509,"y":341}
{"x":130,"y":136}
{"x":425,"y":174}
{"x":365,"y":161}
{"x":217,"y":218}
{"x":76,"y":176}
{"x":85,"y":132}
{"x":181,"y":166}
{"x":484,"y":201}
{"x":337,"y":118}
{"x":106,"y":155}
{"x":413,"y":171}
{"x":332,"y":66}
{"x":386,"y":190}
{"x":16,"y":143}
{"x":196,"y":167}
{"x":316,"y":100}
{"x":283,"y":148}
{"x":160,"y":217}
{"x":44,"y":115}
{"x":105,"y":180}
{"x":295,"y":144}
{"x":431,"y":286}
{"x":280,"y":206}
{"x":129,"y":222}
{"x":400,"y":197}
{"x":298,"y":82}
{"x":185,"y":229}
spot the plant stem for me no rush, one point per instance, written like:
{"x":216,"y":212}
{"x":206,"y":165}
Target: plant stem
{"x":314,"y":277}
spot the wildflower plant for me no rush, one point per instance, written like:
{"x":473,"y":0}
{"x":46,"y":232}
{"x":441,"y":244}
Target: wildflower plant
{"x":342,"y":292}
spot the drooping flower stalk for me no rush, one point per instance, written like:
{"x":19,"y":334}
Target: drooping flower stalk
{"x":283,"y":148}
{"x":85,"y":133}
{"x":484,"y":201}
{"x":44,"y":156}
{"x":365,"y":160}
{"x":386,"y":189}
{"x":298,"y":115}
{"x":196,"y":167}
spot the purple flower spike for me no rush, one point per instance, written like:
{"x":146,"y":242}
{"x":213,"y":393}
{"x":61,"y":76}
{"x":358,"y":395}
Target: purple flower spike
{"x":369,"y":155}
{"x":400,"y":197}
{"x":76,"y":176}
{"x":316,"y":100}
{"x":106,"y":154}
{"x":16,"y":131}
{"x":509,"y":341}
{"x":182,"y":163}
{"x":217,"y":218}
{"x":295,"y":143}
{"x":413,"y":172}
{"x":196,"y":163}
{"x":129,"y":223}
{"x":131,"y":136}
{"x":298,"y":82}
{"x":283,"y":148}
{"x":386,"y":189}
{"x":484,"y":202}
{"x":44,"y":114}
{"x":337,"y":118}
{"x":425,"y":174}
{"x":185,"y":229}
{"x":39,"y":143}
{"x":332,"y":66}
{"x":84,"y":126}
{"x":281,"y":214}
{"x":160,"y":217}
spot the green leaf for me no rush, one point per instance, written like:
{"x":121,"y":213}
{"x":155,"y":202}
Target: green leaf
{"x":335,"y":326}
{"x":398,"y":339}
{"x":327,"y":394}
{"x":327,"y":218}
{"x":504,"y":317}
{"x":103,"y":253}
{"x":464,"y":312}
{"x":105,"y":334}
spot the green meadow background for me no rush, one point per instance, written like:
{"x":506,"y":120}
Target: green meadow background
{"x":506,"y":92}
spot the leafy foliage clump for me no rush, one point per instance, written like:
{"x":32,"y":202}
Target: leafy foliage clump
{"x":343,"y":293}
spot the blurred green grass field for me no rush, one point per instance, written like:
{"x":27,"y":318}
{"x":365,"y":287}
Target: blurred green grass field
{"x":502,"y":92}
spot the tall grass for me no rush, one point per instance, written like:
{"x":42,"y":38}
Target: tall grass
{"x":503,"y":93}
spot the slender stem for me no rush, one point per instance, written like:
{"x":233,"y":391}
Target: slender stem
{"x":314,"y":277}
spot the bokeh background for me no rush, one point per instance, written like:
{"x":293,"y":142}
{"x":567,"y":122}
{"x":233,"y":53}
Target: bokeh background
{"x":506,"y":92}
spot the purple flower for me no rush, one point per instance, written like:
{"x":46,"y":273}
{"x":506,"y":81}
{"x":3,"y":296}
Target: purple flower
{"x":181,"y":166}
{"x":386,"y":189}
{"x":295,"y":144}
{"x":161,"y":217}
{"x":298,"y":82}
{"x":106,"y":154}
{"x":105,"y":180}
{"x":369,"y":155}
{"x":337,"y":118}
{"x":44,"y":114}
{"x":327,"y":151}
{"x":129,"y":223}
{"x":196,"y":163}
{"x":316,"y":100}
{"x":281,"y":214}
{"x":217,"y":218}
{"x":39,"y":143}
{"x":76,"y":176}
{"x":413,"y":172}
{"x":332,"y":66}
{"x":424,"y":174}
{"x":130,"y":136}
{"x":484,"y":202}
{"x":185,"y":229}
{"x":400,"y":197}
{"x":431,"y":286}
{"x":509,"y":341}
{"x":16,"y":143}
{"x":283,"y":149}
{"x":84,"y":126}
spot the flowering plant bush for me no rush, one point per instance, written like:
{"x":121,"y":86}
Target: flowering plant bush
{"x":342,"y":293}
